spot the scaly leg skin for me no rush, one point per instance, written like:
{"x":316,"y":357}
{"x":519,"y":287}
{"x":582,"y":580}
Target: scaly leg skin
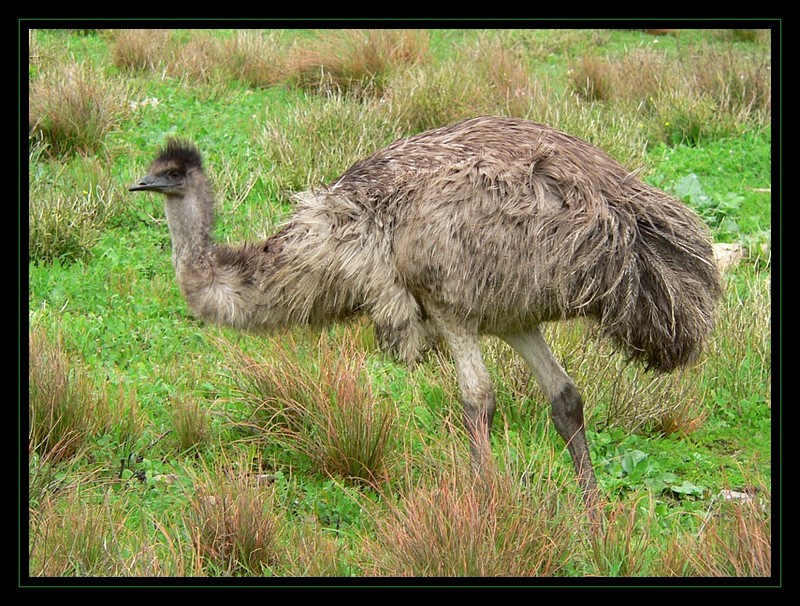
{"x":475,"y":385}
{"x":567,"y":408}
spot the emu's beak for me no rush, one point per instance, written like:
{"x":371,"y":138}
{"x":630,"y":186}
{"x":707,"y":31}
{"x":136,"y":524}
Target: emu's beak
{"x":149,"y":183}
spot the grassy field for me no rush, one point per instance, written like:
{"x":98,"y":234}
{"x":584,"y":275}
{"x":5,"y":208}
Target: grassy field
{"x":161,"y":446}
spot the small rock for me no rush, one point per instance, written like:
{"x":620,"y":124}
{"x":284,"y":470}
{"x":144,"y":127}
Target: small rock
{"x":734,"y":495}
{"x":167,"y":478}
{"x":728,"y":255}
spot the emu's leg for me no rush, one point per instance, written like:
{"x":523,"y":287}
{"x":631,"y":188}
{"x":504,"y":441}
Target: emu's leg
{"x":475,"y":384}
{"x":567,"y":406}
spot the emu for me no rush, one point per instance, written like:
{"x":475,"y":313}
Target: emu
{"x":489,"y":226}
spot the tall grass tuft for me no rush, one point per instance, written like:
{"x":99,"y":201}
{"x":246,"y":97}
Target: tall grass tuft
{"x":321,"y":405}
{"x":191,"y":423}
{"x":67,"y":412}
{"x":740,"y":85}
{"x":486,"y":78}
{"x":683,"y":419}
{"x":746,"y":35}
{"x":734,"y":540}
{"x":428,"y":96}
{"x":453,"y":523}
{"x":195,"y":62}
{"x":254,"y":57}
{"x":90,"y":529}
{"x":739,"y":364}
{"x":354,"y":62}
{"x":78,"y":538}
{"x":139,"y":49}
{"x":712,"y":96}
{"x":72,"y":107}
{"x":311,"y":551}
{"x":319,"y":138}
{"x":591,"y":79}
{"x":623,"y":545}
{"x":69,"y":206}
{"x":232,"y":522}
{"x":63,"y":409}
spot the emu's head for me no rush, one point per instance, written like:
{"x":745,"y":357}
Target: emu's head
{"x":172,"y":170}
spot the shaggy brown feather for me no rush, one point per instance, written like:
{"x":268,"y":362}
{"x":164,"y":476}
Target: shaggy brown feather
{"x":500,"y":221}
{"x":511,"y":223}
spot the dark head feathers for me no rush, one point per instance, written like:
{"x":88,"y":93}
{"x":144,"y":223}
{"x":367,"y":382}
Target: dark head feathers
{"x":179,"y":154}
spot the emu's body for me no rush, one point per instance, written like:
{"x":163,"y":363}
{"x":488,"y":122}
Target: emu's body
{"x":488,"y":226}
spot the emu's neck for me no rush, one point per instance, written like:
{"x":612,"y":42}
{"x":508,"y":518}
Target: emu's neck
{"x":209,"y":289}
{"x":265,"y":285}
{"x":302,"y":274}
{"x":191,"y":221}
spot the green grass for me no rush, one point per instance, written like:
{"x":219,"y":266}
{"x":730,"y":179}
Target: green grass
{"x":155,"y":449}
